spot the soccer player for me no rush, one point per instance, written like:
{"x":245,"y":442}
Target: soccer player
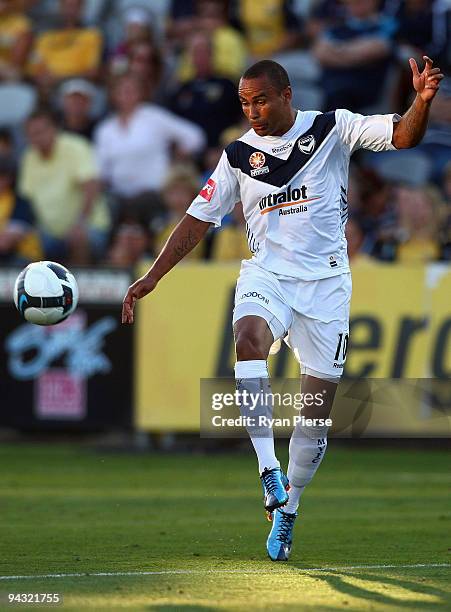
{"x":290,"y":171}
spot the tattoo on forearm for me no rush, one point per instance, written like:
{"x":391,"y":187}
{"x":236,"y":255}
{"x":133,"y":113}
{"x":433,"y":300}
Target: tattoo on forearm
{"x":415,"y":127}
{"x":185,"y":245}
{"x":182,"y":240}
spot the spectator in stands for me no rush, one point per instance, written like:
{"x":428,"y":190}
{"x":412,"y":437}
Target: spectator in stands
{"x":131,"y":243}
{"x":355,"y":238}
{"x":145,"y":63}
{"x":445,"y":233}
{"x":139,"y":54}
{"x":233,"y":133}
{"x":324,"y":15}
{"x":414,"y":39}
{"x":419,"y":212}
{"x":6,"y":143}
{"x":19,"y":242}
{"x":415,"y":27}
{"x":353,"y":195}
{"x":229,"y":46}
{"x":134,"y":150}
{"x":59,"y":177}
{"x":271,"y":29}
{"x":230,"y":242}
{"x":207,"y":99}
{"x":181,"y":23}
{"x":137,"y":28}
{"x":376,"y":216}
{"x":436,"y":143}
{"x":355,"y":57}
{"x":441,"y":34}
{"x":76,"y":101}
{"x":15,"y":40}
{"x":446,"y":184}
{"x":68,"y":51}
{"x":427,"y":161}
{"x":181,"y":187}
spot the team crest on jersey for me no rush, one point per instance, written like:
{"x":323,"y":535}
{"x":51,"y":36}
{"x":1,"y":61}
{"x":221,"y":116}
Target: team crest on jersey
{"x":307,"y":144}
{"x":257,"y":161}
{"x":208,"y":190}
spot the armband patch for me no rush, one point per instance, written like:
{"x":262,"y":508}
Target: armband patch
{"x":208,"y":190}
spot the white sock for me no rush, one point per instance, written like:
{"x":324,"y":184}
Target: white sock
{"x":307,"y":449}
{"x":294,"y":495}
{"x":253,"y":377}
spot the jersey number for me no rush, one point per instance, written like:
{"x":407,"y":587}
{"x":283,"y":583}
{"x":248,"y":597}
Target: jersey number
{"x":342,"y":339}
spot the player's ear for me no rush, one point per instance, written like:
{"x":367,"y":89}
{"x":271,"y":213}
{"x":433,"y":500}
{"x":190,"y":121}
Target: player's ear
{"x":287,"y":94}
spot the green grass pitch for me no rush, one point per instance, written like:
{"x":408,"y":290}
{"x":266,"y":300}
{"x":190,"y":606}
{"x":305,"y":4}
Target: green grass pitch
{"x":197,"y":522}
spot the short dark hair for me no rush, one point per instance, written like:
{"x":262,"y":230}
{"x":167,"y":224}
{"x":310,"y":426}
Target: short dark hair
{"x":276,"y":73}
{"x":6,"y":136}
{"x":7,"y":166}
{"x":44,"y":112}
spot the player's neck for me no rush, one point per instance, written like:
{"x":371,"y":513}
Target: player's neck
{"x":287,"y":125}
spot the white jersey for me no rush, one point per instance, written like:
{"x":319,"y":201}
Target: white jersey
{"x":294,"y":190}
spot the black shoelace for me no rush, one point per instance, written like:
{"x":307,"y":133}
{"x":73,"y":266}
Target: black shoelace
{"x":285,"y":527}
{"x":270,"y":481}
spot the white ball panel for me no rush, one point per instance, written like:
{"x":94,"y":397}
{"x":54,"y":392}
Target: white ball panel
{"x":43,"y":316}
{"x":41,"y":281}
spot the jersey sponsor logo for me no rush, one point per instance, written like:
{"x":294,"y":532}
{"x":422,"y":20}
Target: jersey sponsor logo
{"x":282,"y":148}
{"x":257,"y":161}
{"x":285,"y":199}
{"x":307,"y":144}
{"x":208,"y":190}
{"x":257,"y":171}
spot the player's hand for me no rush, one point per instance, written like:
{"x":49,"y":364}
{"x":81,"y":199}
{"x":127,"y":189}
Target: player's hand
{"x":142,"y":287}
{"x":426,"y":83}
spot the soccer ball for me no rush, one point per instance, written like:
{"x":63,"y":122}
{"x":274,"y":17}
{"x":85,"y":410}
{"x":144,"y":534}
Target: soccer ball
{"x":45,"y":293}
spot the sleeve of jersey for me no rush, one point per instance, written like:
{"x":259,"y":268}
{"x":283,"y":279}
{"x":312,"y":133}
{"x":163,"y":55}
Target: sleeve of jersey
{"x":218,"y":196}
{"x":373,"y":132}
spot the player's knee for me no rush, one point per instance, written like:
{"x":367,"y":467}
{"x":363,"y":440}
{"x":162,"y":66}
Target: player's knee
{"x":314,"y":429}
{"x":250,"y":345}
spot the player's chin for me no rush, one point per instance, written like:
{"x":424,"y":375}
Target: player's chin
{"x":262,"y":130}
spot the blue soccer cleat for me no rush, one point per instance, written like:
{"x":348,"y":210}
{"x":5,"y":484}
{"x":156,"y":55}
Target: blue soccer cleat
{"x":275,"y":486}
{"x":280,"y":537}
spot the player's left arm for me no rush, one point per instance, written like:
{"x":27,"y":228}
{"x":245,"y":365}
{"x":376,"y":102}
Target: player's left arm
{"x":410,"y":129}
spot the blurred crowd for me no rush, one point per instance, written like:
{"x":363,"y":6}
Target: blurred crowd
{"x":113,"y":113}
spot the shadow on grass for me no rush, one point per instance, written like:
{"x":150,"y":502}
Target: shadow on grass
{"x":338,"y":582}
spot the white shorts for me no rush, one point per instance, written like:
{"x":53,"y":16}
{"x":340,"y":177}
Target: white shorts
{"x":312,"y":316}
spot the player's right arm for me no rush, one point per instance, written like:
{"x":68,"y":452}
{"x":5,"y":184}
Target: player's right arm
{"x":188,"y":233}
{"x":392,"y":132}
{"x":216,"y":199}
